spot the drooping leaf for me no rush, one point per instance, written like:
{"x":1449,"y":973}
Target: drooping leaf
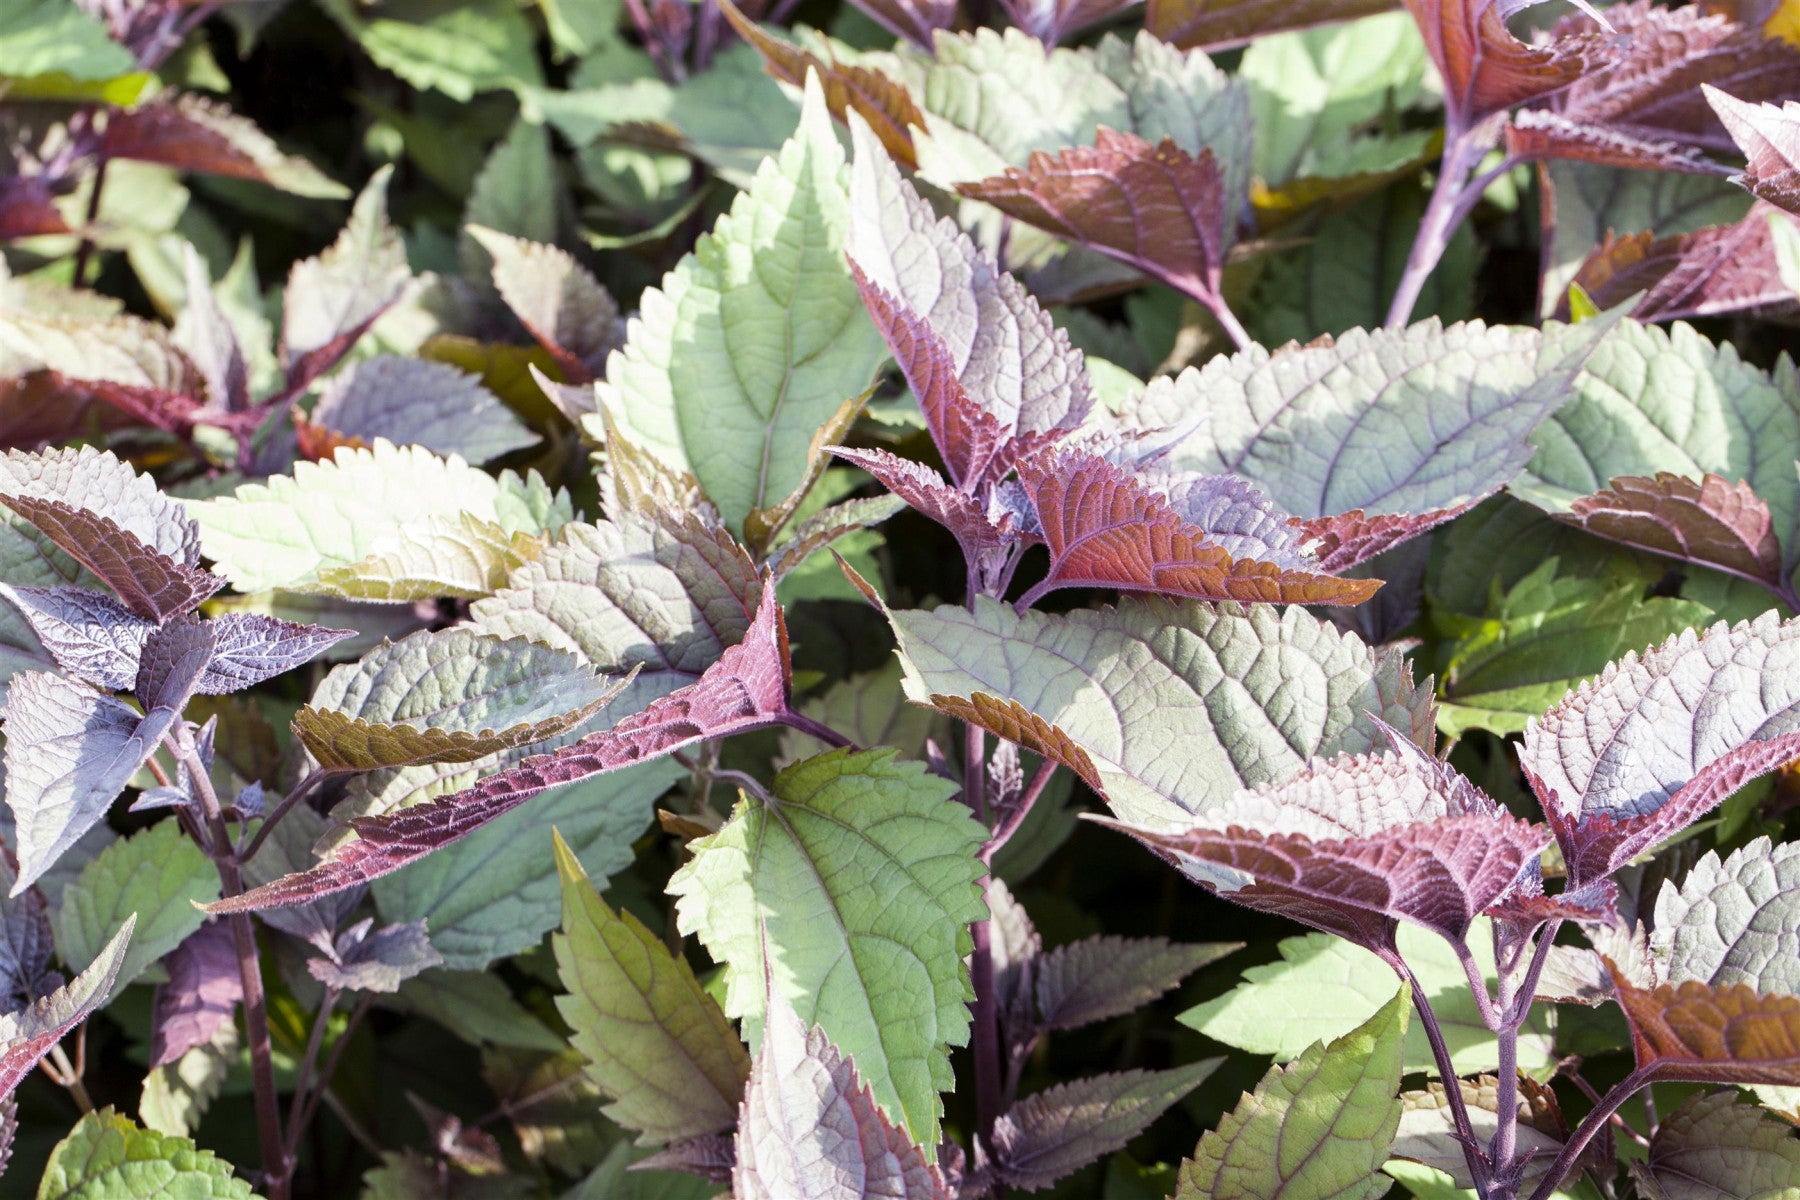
{"x":1427,"y":1132}
{"x":1486,"y":70}
{"x":1659,"y":739}
{"x":1709,"y":521}
{"x":418,"y":402}
{"x":108,"y":1157}
{"x":333,"y":298}
{"x":376,"y":961}
{"x":1712,"y":271}
{"x":449,"y":696}
{"x":875,"y":843}
{"x":922,"y":488}
{"x":201,"y":996}
{"x":811,"y":1129}
{"x":283,"y":532}
{"x":1220,"y":24}
{"x":654,"y":1041}
{"x":192,"y":133}
{"x":1713,"y":1146}
{"x":1319,"y":1127}
{"x":69,"y":753}
{"x":558,"y":301}
{"x":1101,"y":977}
{"x":27,"y":1034}
{"x":1770,"y":138}
{"x":154,"y":879}
{"x":756,"y":338}
{"x":746,"y":689}
{"x":1730,"y":1034}
{"x":834,"y":523}
{"x":1735,"y":921}
{"x":1061,"y":1129}
{"x":151,"y":584}
{"x":1208,"y":538}
{"x":1248,"y":696}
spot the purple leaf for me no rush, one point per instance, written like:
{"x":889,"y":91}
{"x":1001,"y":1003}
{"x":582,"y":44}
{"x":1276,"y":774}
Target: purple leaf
{"x":1712,"y":271}
{"x":1220,"y":24}
{"x":1708,"y":521}
{"x":925,"y":490}
{"x":1653,"y":743}
{"x":130,"y":364}
{"x":26,"y":942}
{"x":151,"y":584}
{"x":1700,"y":1033}
{"x":1486,"y":70}
{"x":28,"y":209}
{"x":1050,"y":21}
{"x":810,"y":1129}
{"x":174,"y":658}
{"x":190,"y":133}
{"x":1103,"y":976}
{"x":91,"y":636}
{"x":411,"y":401}
{"x":557,"y":300}
{"x":250,"y":647}
{"x":376,"y":962}
{"x":69,"y":753}
{"x":27,"y":1035}
{"x":1062,"y":1129}
{"x":916,"y":20}
{"x":98,"y":481}
{"x":201,"y":996}
{"x":747,"y":688}
{"x":1770,"y":138}
{"x":1226,"y":542}
{"x":1351,"y":538}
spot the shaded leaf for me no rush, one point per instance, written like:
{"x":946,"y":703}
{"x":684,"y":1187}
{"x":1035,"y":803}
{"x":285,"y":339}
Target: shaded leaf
{"x":835,"y":522}
{"x":47,"y":37}
{"x":1059,"y":1130}
{"x":415,"y":401}
{"x":1219,"y":24}
{"x":175,"y":1097}
{"x":1427,"y":1132}
{"x":1770,"y":138}
{"x":654,"y":1041}
{"x":192,"y":133}
{"x":27,"y":1034}
{"x":1713,"y":1146}
{"x":333,"y":298}
{"x":108,"y":1156}
{"x":201,"y":996}
{"x":558,"y":300}
{"x":26,"y":944}
{"x":873,"y":842}
{"x":378,"y":961}
{"x":154,"y":880}
{"x":125,"y":362}
{"x":1101,"y":977}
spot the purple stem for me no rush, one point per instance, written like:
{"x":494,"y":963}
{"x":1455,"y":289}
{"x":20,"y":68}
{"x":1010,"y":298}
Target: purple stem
{"x":817,"y":729}
{"x":301,"y":790}
{"x":1584,"y":1133}
{"x":1020,"y":811}
{"x":1451,"y":199}
{"x":1440,"y":1053}
{"x":1234,"y":329}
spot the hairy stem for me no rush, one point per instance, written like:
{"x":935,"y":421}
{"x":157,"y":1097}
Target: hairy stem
{"x":1440,"y":1054}
{"x":278,"y":1168}
{"x":67,"y":1076}
{"x":1584,"y":1133}
{"x":1234,"y":329}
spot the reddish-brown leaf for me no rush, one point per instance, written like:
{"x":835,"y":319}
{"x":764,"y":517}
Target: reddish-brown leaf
{"x":1539,"y":134}
{"x":1106,"y":528}
{"x":1713,"y":271}
{"x":1220,"y":24}
{"x":1155,"y":207}
{"x":1696,"y":1032}
{"x":27,"y":209}
{"x":1486,"y":70}
{"x":1707,"y":521}
{"x":1770,"y":139}
{"x":747,"y":688}
{"x":925,"y":490}
{"x":191,"y":133}
{"x":1344,"y":540}
{"x":148,"y":581}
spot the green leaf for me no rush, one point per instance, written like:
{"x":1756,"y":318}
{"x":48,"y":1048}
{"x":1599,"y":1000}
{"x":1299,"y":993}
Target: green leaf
{"x":494,"y":893}
{"x":55,"y":37}
{"x":858,"y":875}
{"x":107,"y":1157}
{"x":516,"y":193}
{"x":477,"y":1007}
{"x":755,"y":339}
{"x":459,"y":49}
{"x":159,"y":875}
{"x":282,"y":532}
{"x":177,"y":1095}
{"x":1247,"y":696}
{"x":458,"y":555}
{"x":654,"y":1040}
{"x":1317,"y":1129}
{"x":1714,"y":1147}
{"x":1323,"y":985}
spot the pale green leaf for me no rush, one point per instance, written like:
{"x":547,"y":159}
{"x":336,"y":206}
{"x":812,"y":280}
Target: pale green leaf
{"x":177,"y":1095}
{"x":858,"y":877}
{"x":754,"y":339}
{"x":458,"y":49}
{"x":515,"y":193}
{"x":457,"y":554}
{"x":477,"y":1007}
{"x":1316,"y":1129}
{"x":47,"y":37}
{"x":653,"y":1039}
{"x":1174,"y":706}
{"x":1734,"y":921}
{"x":157,"y":875}
{"x":1323,"y":986}
{"x":107,"y":1157}
{"x":282,"y":532}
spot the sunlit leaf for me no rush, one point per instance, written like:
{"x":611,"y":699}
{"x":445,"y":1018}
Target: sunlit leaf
{"x":1427,"y":1133}
{"x":1770,"y":137}
{"x":1735,"y":921}
{"x":333,"y":298}
{"x":27,"y":1034}
{"x":192,"y":133}
{"x":108,"y":1157}
{"x":558,"y":301}
{"x":414,"y":401}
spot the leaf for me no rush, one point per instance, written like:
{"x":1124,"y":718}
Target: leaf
{"x":191,"y":133}
{"x":654,"y":1041}
{"x":201,"y":996}
{"x":1710,"y":521}
{"x":69,"y":753}
{"x":1322,"y":986}
{"x":1486,"y":69}
{"x":1220,"y":24}
{"x":91,"y":636}
{"x":756,"y":338}
{"x":175,"y":1097}
{"x":1659,"y":739}
{"x":660,"y":591}
{"x":1101,"y":977}
{"x":376,"y":962}
{"x":51,"y":37}
{"x":1699,"y":1033}
{"x":477,"y":1007}
{"x":1736,"y":921}
{"x":1427,"y":1132}
{"x":1216,"y":538}
{"x":446,"y":696}
{"x":927,"y":492}
{"x":1712,"y":1146}
{"x":1770,"y":139}
{"x":918,"y":20}
{"x":27,"y":1034}
{"x":459,"y":51}
{"x":460,"y":555}
{"x":151,"y":584}
{"x":1318,"y":1127}
{"x":1714,"y":270}
{"x":26,"y":945}
{"x":833,"y":523}
{"x":107,"y":1157}
{"x":156,"y":879}
{"x":251,"y":647}
{"x":207,"y":335}
{"x":873,"y":844}
{"x":333,"y":298}
{"x":414,"y":401}
{"x":558,"y":301}
{"x":517,"y":192}
{"x":1061,"y":1129}
{"x":1249,"y":696}
{"x":287,"y":530}
{"x":811,"y":1128}
{"x":746,"y":689}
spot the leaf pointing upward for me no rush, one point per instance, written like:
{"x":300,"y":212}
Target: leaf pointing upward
{"x":1770,"y":137}
{"x":1486,"y":70}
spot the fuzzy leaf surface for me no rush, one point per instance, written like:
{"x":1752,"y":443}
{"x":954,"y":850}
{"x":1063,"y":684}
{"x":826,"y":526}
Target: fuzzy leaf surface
{"x":27,"y":1034}
{"x":1487,"y":70}
{"x":558,"y":301}
{"x":109,"y":1157}
{"x":201,"y":996}
{"x":1699,"y":1033}
{"x":1710,"y":521}
{"x":1061,"y":1129}
{"x":90,"y":635}
{"x":1734,"y":921}
{"x":1102,"y":976}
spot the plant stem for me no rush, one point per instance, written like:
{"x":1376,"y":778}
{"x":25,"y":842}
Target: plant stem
{"x":1462,"y":153}
{"x":986,"y":1042}
{"x":277,"y":1166}
{"x":1440,"y":1054}
{"x":305,"y":787}
{"x":817,"y":729}
{"x":311,"y":1058}
{"x":323,"y":1086}
{"x":85,"y":251}
{"x":1234,"y":329}
{"x":1020,"y":811}
{"x":68,"y":1076}
{"x":1584,"y":1133}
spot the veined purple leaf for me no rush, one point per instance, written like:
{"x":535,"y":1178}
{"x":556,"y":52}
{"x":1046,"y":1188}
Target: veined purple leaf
{"x":1001,"y":346}
{"x":1062,"y":1129}
{"x":1101,"y":977}
{"x":1707,"y":521}
{"x":1770,"y":138}
{"x":1050,"y":21}
{"x":191,"y":133}
{"x":413,"y":401}
{"x":810,"y":1129}
{"x":250,"y":647}
{"x":1107,"y":529}
{"x":1351,"y":538}
{"x":1152,"y":206}
{"x":1221,"y":24}
{"x":1538,"y":134}
{"x":28,"y":209}
{"x":26,"y":942}
{"x":151,"y":584}
{"x":91,"y":636}
{"x":332,"y":299}
{"x":747,"y":688}
{"x":1486,"y":70}
{"x":201,"y":996}
{"x":69,"y":753}
{"x":558,"y":301}
{"x":99,"y":482}
{"x":925,"y":490}
{"x":1712,"y":271}
{"x":131,"y":364}
{"x":376,"y":962}
{"x":1702,"y":1033}
{"x":174,"y":657}
{"x":28,"y":1034}
{"x":1657,"y":740}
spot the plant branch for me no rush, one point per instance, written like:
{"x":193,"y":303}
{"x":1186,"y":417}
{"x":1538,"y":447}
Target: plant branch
{"x":323,"y":1085}
{"x":247,"y":851}
{"x":817,"y":729}
{"x":1590,"y":1125}
{"x":304,"y":1076}
{"x":1440,"y":1053}
{"x":1020,"y":810}
{"x":85,"y":250}
{"x":1221,"y":311}
{"x":1452,"y":198}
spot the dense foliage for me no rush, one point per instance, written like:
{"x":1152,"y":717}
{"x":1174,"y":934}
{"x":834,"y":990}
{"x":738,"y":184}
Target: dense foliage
{"x":569,"y":573}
